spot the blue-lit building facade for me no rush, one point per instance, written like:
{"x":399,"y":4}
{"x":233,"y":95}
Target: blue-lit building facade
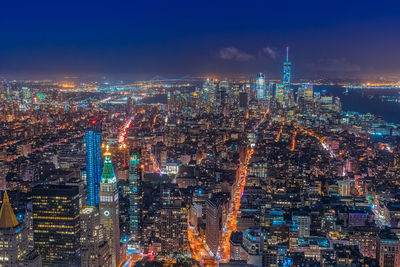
{"x":93,"y":162}
{"x":261,"y":87}
{"x":287,"y":68}
{"x":287,"y":99}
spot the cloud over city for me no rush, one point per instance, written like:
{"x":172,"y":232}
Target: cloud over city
{"x":236,"y":54}
{"x":233,"y":53}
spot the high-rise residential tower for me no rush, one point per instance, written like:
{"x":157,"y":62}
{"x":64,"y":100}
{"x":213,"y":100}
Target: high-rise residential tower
{"x":135,"y":199}
{"x":210,"y":92}
{"x":173,"y":221}
{"x":109,"y":208}
{"x":93,"y":162}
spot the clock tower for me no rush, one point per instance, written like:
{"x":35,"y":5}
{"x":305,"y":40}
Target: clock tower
{"x":109,"y":208}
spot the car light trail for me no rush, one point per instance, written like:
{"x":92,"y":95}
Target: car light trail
{"x":156,"y":165}
{"x":293,"y":141}
{"x":223,"y":253}
{"x":280,"y":130}
{"x":231,"y":220}
{"x":122,"y":133}
{"x":321,"y":140}
{"x":199,"y":249}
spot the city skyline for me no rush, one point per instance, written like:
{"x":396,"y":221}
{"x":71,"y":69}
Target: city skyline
{"x":199,"y":172}
{"x":200,"y":134}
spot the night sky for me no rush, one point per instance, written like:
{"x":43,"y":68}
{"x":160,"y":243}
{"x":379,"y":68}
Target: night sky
{"x":199,"y":37}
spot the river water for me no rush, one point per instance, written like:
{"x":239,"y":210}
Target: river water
{"x":365,"y":101}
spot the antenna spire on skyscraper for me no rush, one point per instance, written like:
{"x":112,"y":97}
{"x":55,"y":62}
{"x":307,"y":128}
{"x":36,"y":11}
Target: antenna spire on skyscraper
{"x":287,"y":53}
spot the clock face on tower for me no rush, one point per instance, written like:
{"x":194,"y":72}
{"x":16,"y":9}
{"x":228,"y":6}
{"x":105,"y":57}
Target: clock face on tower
{"x":106,"y":213}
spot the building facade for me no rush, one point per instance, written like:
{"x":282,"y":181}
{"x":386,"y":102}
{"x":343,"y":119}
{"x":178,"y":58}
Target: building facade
{"x":56,"y":224}
{"x":13,"y":236}
{"x":94,"y":248}
{"x":109,"y":208}
{"x":93,"y":163}
{"x":135,"y":198}
{"x":261,"y":87}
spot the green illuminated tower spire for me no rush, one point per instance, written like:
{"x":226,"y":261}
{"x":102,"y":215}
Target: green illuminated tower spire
{"x":109,"y":208}
{"x":108,"y":175}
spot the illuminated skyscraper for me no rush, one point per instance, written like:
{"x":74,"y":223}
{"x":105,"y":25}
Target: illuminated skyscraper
{"x":173,"y":221}
{"x":287,"y":68}
{"x":6,"y":89}
{"x":135,"y":198}
{"x":210,"y":92}
{"x":9,"y":90}
{"x":56,"y":224}
{"x":13,"y":236}
{"x":26,"y":92}
{"x":3,"y":92}
{"x":94,"y":249}
{"x":280,"y":93}
{"x":306,"y":92}
{"x":109,"y":208}
{"x":261,"y":87}
{"x":93,"y":162}
{"x":223,"y":88}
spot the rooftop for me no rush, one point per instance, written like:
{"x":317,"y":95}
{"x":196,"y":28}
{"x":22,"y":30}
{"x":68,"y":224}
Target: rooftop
{"x":7,"y":215}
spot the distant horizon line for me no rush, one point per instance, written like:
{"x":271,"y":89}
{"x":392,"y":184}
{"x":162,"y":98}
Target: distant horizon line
{"x":42,"y":76}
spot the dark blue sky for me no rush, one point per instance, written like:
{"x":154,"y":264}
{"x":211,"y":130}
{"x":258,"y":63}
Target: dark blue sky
{"x":199,"y":37}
